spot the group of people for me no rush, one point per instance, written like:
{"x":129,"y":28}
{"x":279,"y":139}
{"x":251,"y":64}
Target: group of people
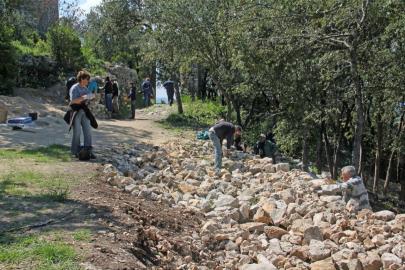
{"x":264,"y":147}
{"x":81,"y":119}
{"x":354,"y":191}
{"x":81,"y":89}
{"x":111,"y":95}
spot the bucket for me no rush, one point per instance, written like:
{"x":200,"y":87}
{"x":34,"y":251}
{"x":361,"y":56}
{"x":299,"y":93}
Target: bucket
{"x":3,"y":115}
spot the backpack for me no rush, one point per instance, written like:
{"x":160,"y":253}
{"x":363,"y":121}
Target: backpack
{"x":203,"y":135}
{"x":70,"y":82}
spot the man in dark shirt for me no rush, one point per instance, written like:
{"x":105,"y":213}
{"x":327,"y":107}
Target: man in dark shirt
{"x":220,"y":131}
{"x":169,"y":85}
{"x":147,"y":91}
{"x":132,"y":96}
{"x":108,"y":90}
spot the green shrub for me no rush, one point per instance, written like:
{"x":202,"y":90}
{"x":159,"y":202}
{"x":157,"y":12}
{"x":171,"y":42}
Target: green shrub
{"x":40,"y":48}
{"x":65,"y":47}
{"x":93,"y":64}
{"x":8,"y":62}
{"x":197,"y":114}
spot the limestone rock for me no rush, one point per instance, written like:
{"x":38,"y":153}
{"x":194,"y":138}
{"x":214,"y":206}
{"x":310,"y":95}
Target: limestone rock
{"x":130,"y":188}
{"x":226,"y":201}
{"x":210,"y":227}
{"x":399,"y":250}
{"x":326,"y":264}
{"x":262,"y":216}
{"x":282,"y":167}
{"x":318,"y":251}
{"x":312,"y":233}
{"x":187,"y":188}
{"x":253,"y":226}
{"x":274,"y":232}
{"x":385,"y":215}
{"x":244,"y":210}
{"x":371,"y":261}
{"x":389,"y":259}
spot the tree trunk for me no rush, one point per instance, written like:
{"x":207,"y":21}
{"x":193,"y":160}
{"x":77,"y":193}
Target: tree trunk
{"x":397,"y":136}
{"x":319,"y":150}
{"x":328,"y":152}
{"x":305,"y":151}
{"x":377,"y":162}
{"x":335,"y":159}
{"x":236,"y":106}
{"x":402,"y":181}
{"x":358,"y":133}
{"x":387,"y":177}
{"x":178,"y":99}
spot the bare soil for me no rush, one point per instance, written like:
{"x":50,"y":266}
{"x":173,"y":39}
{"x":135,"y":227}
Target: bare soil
{"x":125,"y":229}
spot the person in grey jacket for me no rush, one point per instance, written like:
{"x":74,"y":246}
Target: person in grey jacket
{"x":79,"y":94}
{"x":353,"y":189}
{"x":220,"y":131}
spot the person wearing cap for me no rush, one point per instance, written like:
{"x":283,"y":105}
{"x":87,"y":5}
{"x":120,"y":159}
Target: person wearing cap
{"x":220,"y":131}
{"x":265,"y":148}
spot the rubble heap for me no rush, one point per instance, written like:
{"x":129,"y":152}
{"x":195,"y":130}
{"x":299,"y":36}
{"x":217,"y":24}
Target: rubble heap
{"x":258,"y":215}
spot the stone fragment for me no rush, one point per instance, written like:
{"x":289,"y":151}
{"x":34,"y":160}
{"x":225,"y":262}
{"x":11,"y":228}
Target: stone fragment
{"x":210,"y":227}
{"x":274,"y":232}
{"x":262,"y":216}
{"x":389,"y":259}
{"x":384,"y":215}
{"x":312,"y":233}
{"x":253,"y":226}
{"x":371,"y":261}
{"x":130,"y":188}
{"x":227,"y":201}
{"x":318,"y":251}
{"x":399,"y":250}
{"x":187,"y":188}
{"x":326,"y":264}
{"x":282,"y":167}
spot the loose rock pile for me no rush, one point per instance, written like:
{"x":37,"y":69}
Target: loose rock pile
{"x":258,"y":215}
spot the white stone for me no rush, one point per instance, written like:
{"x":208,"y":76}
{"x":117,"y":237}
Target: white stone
{"x":388,"y":259}
{"x":385,"y":215}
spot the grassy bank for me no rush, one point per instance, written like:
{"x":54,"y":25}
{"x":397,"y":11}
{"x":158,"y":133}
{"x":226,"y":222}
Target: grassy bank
{"x":35,"y":187}
{"x":197,"y":115}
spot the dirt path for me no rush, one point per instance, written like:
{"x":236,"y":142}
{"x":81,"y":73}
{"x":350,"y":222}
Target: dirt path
{"x":51,"y":129}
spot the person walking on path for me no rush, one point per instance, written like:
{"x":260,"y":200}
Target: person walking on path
{"x":108,"y":90}
{"x":146,"y":89}
{"x":81,"y":114}
{"x":220,"y":131}
{"x":169,"y":85}
{"x":132,"y":97}
{"x":115,"y":97}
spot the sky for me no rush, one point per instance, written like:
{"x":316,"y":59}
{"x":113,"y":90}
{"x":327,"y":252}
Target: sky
{"x":86,"y":5}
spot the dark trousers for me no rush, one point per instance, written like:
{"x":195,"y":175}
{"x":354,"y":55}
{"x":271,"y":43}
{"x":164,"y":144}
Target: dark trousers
{"x":170,"y":96}
{"x":133,"y":107}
